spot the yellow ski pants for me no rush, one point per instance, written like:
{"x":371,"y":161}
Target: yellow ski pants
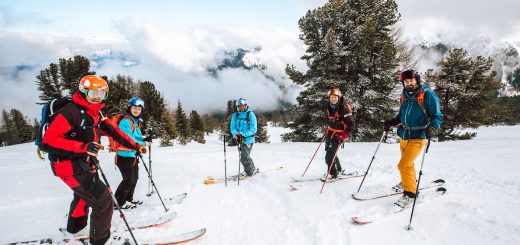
{"x":410,"y":149}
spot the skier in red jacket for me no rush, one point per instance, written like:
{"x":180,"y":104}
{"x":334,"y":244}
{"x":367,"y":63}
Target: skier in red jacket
{"x":73,"y":142}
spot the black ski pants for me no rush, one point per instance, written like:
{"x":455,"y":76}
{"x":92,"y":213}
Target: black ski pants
{"x":129,"y":168}
{"x":331,"y":146}
{"x":90,"y":192}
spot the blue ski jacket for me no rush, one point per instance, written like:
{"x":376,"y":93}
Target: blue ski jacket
{"x":136,"y":135}
{"x":246,"y":126}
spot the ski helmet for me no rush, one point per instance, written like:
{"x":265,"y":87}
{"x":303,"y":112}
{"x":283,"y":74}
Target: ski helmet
{"x":241,"y":101}
{"x":94,"y":87}
{"x":409,"y":74}
{"x":334,"y":91}
{"x":136,"y":102}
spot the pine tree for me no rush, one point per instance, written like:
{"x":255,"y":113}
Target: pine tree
{"x":514,"y":78}
{"x":155,"y":104}
{"x":122,"y":88}
{"x":210,"y":122}
{"x":24,"y":129}
{"x":167,"y":128}
{"x":182,"y":125}
{"x":466,"y":87}
{"x":261,"y":129}
{"x":60,"y":80}
{"x":197,"y":127}
{"x":350,"y":46}
{"x":11,"y":132}
{"x":276,"y":118}
{"x":36,"y":127}
{"x":4,"y":128}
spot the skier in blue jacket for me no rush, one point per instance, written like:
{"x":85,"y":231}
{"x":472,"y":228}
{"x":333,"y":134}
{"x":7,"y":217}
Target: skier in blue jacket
{"x":243,"y":129}
{"x":419,"y":119}
{"x":126,"y":159}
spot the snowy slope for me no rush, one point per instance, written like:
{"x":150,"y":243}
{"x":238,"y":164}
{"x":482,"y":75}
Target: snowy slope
{"x":480,"y":207}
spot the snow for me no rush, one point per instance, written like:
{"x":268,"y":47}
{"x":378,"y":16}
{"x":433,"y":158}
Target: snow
{"x":480,"y":207}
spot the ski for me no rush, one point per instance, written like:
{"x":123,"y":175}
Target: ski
{"x":350,"y":175}
{"x":67,"y":237}
{"x":211,"y":180}
{"x":293,"y":188}
{"x":423,"y":196}
{"x":163,"y":219}
{"x":185,"y":237}
{"x":365,"y":197}
{"x":178,"y":199}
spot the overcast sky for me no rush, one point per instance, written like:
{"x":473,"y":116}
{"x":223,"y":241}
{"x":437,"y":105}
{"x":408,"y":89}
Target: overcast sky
{"x":175,"y":41}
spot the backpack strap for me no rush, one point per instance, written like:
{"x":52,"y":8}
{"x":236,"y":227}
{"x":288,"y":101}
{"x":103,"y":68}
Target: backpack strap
{"x":420,"y":101}
{"x":131,"y":122}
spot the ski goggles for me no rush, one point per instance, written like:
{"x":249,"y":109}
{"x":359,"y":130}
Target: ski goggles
{"x":241,"y":102}
{"x":137,"y":102}
{"x":93,"y":94}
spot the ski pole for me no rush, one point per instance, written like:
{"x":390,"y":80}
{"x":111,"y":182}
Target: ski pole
{"x":330,"y":167}
{"x":150,"y":187}
{"x":122,"y":215}
{"x":225,"y":165}
{"x":314,"y":155}
{"x":153,"y":184}
{"x":373,"y":157}
{"x":409,"y":226}
{"x":239,"y":156}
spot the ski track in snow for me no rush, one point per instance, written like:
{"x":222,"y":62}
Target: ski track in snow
{"x":480,"y":207}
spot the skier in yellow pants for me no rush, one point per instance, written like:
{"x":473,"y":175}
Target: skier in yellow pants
{"x":410,"y":149}
{"x":419,"y":119}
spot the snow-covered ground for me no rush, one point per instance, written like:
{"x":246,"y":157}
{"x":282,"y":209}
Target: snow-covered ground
{"x":481,"y":205}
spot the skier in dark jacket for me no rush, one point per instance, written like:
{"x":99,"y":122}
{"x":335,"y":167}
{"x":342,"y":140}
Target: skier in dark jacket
{"x":340,"y":124}
{"x":73,"y":143}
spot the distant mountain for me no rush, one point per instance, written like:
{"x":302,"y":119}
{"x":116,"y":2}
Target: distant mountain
{"x":99,"y":58}
{"x":13,"y":72}
{"x":238,"y":59}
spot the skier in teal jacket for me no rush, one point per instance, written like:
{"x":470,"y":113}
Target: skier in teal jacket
{"x":126,"y":159}
{"x":243,"y":127}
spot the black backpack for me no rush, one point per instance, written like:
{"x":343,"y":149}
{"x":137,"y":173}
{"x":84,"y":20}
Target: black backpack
{"x":49,"y":110}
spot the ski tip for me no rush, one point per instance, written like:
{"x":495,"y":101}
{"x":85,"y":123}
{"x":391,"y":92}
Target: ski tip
{"x":441,"y":190}
{"x":439,"y":181}
{"x":358,"y":221}
{"x":209,"y":181}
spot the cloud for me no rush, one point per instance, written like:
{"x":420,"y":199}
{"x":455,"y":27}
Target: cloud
{"x":177,"y":59}
{"x":174,"y":59}
{"x":458,"y":19}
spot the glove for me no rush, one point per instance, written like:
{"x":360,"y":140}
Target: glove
{"x":240,"y":138}
{"x":148,"y":138}
{"x":390,"y":123}
{"x":430,"y":131}
{"x":141,"y":149}
{"x":93,"y":148}
{"x":342,"y":137}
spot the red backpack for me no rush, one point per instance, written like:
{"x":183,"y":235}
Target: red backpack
{"x":113,"y":145}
